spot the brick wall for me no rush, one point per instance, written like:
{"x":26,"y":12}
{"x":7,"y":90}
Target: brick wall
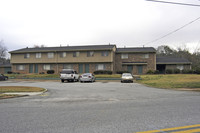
{"x":136,"y":57}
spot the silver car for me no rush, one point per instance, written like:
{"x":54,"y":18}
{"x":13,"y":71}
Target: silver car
{"x":87,"y":77}
{"x":126,"y":77}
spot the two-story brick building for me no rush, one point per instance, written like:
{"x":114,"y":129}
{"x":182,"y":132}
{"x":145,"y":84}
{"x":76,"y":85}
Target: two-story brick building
{"x":84,"y":59}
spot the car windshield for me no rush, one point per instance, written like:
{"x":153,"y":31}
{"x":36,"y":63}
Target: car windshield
{"x":126,"y":74}
{"x":87,"y":74}
{"x":67,"y":72}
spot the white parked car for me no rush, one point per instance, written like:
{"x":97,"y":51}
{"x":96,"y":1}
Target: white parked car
{"x":87,"y":77}
{"x":69,"y":75}
{"x":127,"y":77}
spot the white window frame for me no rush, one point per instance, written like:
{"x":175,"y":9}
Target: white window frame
{"x":46,"y":67}
{"x":100,"y":67}
{"x":26,"y":56}
{"x":63,"y":54}
{"x":38,"y":55}
{"x":124,"y":56}
{"x":145,"y":56}
{"x":104,"y":53}
{"x":20,"y":67}
{"x":90,"y":53}
{"x":50,"y":55}
{"x":76,"y":54}
{"x":68,"y":66}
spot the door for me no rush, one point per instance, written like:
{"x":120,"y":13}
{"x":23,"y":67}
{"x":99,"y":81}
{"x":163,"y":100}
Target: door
{"x":36,"y":68}
{"x":130,"y":69}
{"x":31,"y":68}
{"x":140,"y":69}
{"x":87,"y":69}
{"x":80,"y":68}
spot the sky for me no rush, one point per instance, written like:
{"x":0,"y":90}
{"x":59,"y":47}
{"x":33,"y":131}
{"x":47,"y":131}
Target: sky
{"x":126,"y":23}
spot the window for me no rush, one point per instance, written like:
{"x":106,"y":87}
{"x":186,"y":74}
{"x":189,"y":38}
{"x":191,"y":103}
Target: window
{"x":76,"y":54}
{"x":145,"y":56}
{"x":100,"y":67}
{"x":50,"y":55}
{"x":47,"y":67}
{"x":63,"y":54}
{"x":26,"y":56}
{"x":124,"y":56}
{"x":90,"y":53}
{"x":104,"y":53}
{"x":38,"y":55}
{"x":20,"y":67}
{"x":180,"y":67}
{"x":67,"y":66}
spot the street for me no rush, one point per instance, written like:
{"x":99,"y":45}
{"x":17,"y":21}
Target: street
{"x":98,"y":107}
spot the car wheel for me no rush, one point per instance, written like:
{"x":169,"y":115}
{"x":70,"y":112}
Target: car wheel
{"x":121,"y":81}
{"x":6,"y":79}
{"x":62,"y":80}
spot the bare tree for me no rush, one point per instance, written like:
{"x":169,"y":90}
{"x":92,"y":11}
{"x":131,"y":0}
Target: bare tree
{"x":3,"y":50}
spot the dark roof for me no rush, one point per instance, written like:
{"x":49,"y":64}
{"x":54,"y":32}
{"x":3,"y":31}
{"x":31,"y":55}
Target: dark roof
{"x":171,"y":60}
{"x":66,"y":48}
{"x":136,"y":49}
{"x":2,"y":64}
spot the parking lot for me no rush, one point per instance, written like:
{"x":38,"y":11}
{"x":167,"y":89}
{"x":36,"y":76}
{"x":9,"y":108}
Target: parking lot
{"x":100,"y":107}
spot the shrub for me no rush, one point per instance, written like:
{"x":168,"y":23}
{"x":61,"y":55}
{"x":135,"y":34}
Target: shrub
{"x":41,"y":73}
{"x":197,"y":71}
{"x":9,"y":72}
{"x":102,"y":72}
{"x":156,"y":72}
{"x":186,"y":71}
{"x":169,"y":71}
{"x":150,"y":72}
{"x":120,"y":72}
{"x":50,"y":72}
{"x":177,"y":71}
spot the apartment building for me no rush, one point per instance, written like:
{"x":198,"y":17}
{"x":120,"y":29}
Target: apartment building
{"x":84,"y":59}
{"x":81,"y":58}
{"x":135,"y":60}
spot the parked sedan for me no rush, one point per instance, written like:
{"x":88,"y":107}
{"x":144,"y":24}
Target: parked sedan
{"x":126,"y":77}
{"x":2,"y":77}
{"x":87,"y":77}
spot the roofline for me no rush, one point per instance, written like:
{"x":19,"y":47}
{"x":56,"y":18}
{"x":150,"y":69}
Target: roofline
{"x":173,"y":63}
{"x":136,"y":52}
{"x":72,"y":50}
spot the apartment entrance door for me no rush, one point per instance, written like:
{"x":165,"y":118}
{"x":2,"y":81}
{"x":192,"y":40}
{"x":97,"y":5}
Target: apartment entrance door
{"x":80,"y":67}
{"x":130,"y":68}
{"x":87,"y":69}
{"x":30,"y":68}
{"x":140,"y":69}
{"x":36,"y":68}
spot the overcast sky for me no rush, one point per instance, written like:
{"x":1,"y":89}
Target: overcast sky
{"x":130,"y":23}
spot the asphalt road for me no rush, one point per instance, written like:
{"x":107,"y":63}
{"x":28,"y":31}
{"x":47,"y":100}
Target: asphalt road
{"x":97,"y":108}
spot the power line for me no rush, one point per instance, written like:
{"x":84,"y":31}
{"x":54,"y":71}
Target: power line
{"x":185,"y":4}
{"x":173,"y":31}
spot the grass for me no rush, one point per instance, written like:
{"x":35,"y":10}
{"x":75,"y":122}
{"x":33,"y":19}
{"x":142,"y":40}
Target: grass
{"x":171,"y":81}
{"x":5,"y":96}
{"x":6,"y":89}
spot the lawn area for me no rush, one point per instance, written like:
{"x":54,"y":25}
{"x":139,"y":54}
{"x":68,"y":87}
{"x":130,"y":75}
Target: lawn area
{"x":4,"y":89}
{"x":171,"y":81}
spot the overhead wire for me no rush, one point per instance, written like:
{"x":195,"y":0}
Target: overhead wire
{"x":173,"y":31}
{"x":177,"y":3}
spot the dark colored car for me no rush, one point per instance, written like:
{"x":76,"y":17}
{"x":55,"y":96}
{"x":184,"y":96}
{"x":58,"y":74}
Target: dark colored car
{"x":2,"y":77}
